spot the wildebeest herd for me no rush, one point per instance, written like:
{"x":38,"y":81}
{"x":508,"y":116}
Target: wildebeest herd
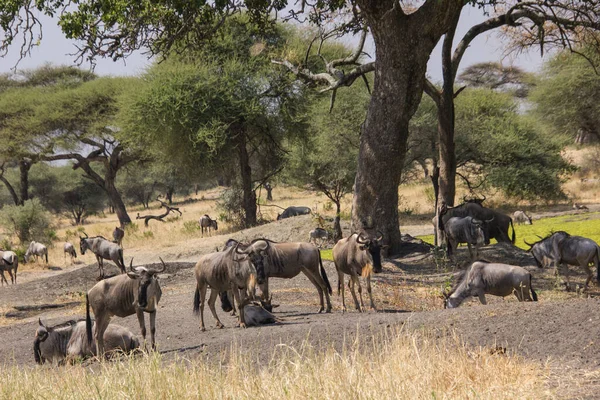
{"x":235,"y":272}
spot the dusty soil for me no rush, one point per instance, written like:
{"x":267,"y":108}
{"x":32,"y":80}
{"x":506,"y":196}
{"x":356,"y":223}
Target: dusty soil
{"x":560,"y":329}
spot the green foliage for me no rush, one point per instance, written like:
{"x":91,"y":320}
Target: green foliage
{"x":28,"y":222}
{"x":190,"y":227}
{"x":231,"y":205}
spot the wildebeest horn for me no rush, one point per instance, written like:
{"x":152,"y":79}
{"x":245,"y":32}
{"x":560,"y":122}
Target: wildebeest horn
{"x":528,"y":244}
{"x":237,"y":246}
{"x":131,"y":265}
{"x":380,"y":236}
{"x":489,"y":220}
{"x":86,"y":235}
{"x":360,"y":240}
{"x":40,"y":322}
{"x":164,"y":266}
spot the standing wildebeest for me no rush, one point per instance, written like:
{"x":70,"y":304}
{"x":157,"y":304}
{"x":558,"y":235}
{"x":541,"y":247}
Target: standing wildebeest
{"x":69,"y":249}
{"x":223,"y":271}
{"x":287,"y":260}
{"x":318,"y":233}
{"x":567,"y":250}
{"x":467,"y":230}
{"x":293,"y":212}
{"x":104,"y":250}
{"x":483,"y":277}
{"x":207,"y":223}
{"x":67,"y":341}
{"x":118,"y":235}
{"x":357,"y":255}
{"x":136,"y":292}
{"x":521,"y":218}
{"x":497,"y":227}
{"x":36,"y":250}
{"x":8,"y":262}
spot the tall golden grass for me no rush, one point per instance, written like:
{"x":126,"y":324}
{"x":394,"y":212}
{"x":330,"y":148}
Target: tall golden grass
{"x":398,"y":365}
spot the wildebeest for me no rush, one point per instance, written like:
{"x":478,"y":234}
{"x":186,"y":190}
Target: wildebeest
{"x":36,"y":250}
{"x":104,"y":250}
{"x":9,"y":261}
{"x":223,"y":271}
{"x":255,"y":314}
{"x":118,"y":235}
{"x":136,"y":292}
{"x":293,"y":212}
{"x":357,"y":255}
{"x":69,"y":249}
{"x":287,"y":260}
{"x":580,"y":207}
{"x":483,"y":277}
{"x":565,"y":250}
{"x":497,"y":227}
{"x":66,"y":341}
{"x":467,"y":230}
{"x":207,"y":223}
{"x":521,"y":218}
{"x":318,"y":233}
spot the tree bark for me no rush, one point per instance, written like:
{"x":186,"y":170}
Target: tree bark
{"x":11,"y":189}
{"x":169,"y":195}
{"x":117,"y":201}
{"x":249,"y":196}
{"x":447,"y":155}
{"x":337,"y":228}
{"x":24,"y":167}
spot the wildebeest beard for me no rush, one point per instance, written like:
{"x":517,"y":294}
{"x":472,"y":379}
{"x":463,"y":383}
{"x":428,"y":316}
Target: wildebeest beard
{"x":376,"y":255}
{"x":143,"y":292}
{"x":37,"y":353}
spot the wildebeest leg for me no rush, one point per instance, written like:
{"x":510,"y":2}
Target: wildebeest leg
{"x":470,"y":250}
{"x":586,"y":266}
{"x":3,"y":278}
{"x":236,"y":295}
{"x":231,"y":298}
{"x":202,"y":299}
{"x":370,"y":294}
{"x":140,"y":316}
{"x":341,"y":289}
{"x":153,"y":329}
{"x":100,"y":326}
{"x":13,"y":280}
{"x":566,"y":272}
{"x":100,"y":267}
{"x":481,"y":296}
{"x":317,"y":284}
{"x":353,"y":281}
{"x":211,"y":304}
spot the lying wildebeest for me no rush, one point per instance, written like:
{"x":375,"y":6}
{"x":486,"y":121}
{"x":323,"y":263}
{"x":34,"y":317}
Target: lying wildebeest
{"x":483,"y":277}
{"x":580,"y":207}
{"x":357,"y":255}
{"x":118,"y":235}
{"x":255,"y":314}
{"x":293,"y":212}
{"x":136,"y":292}
{"x":207,"y":223}
{"x":318,"y":233}
{"x":69,"y":249}
{"x":521,"y":218}
{"x":565,"y":250}
{"x":36,"y":250}
{"x":467,"y":230}
{"x":104,"y":249}
{"x":227,"y":270}
{"x":497,"y":227}
{"x":287,"y":260}
{"x":9,"y":261}
{"x":67,"y":341}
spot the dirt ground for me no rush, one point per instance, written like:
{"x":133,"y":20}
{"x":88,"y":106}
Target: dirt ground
{"x":560,"y":330}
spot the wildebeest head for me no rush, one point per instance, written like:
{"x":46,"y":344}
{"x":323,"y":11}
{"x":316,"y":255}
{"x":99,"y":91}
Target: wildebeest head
{"x":256,"y":252}
{"x":374,"y":247}
{"x":213,"y":222}
{"x":540,"y":250}
{"x":477,"y":231}
{"x":148,"y":287}
{"x":83,"y":243}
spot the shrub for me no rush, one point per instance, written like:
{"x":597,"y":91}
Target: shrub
{"x":190,"y":227}
{"x":131,"y":229}
{"x":28,"y":222}
{"x":148,"y":234}
{"x":231,"y":203}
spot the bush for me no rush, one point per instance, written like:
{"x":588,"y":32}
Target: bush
{"x":190,"y":227}
{"x":231,"y":203}
{"x":28,"y":222}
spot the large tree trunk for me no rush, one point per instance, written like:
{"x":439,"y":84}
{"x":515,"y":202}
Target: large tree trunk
{"x":117,"y":202}
{"x":24,"y":167}
{"x":400,"y":68}
{"x":447,"y":156}
{"x":249,"y":196}
{"x":337,"y":228}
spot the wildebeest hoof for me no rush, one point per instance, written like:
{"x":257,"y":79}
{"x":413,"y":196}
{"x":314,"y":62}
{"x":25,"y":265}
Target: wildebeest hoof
{"x":202,"y":329}
{"x":328,"y":311}
{"x":242,"y":325}
{"x":320,"y":310}
{"x":220,"y":325}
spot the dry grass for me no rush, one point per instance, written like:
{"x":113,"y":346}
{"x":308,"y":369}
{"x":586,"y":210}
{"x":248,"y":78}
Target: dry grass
{"x":397,"y":365}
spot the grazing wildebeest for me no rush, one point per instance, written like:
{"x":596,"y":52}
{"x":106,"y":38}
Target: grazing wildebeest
{"x":287,"y":260}
{"x":36,"y":250}
{"x":483,"y":277}
{"x":104,"y":249}
{"x":521,"y":218}
{"x":567,"y":250}
{"x":357,"y":255}
{"x":118,"y":235}
{"x":223,"y":271}
{"x":207,"y":223}
{"x":9,"y":261}
{"x":580,"y":207}
{"x":69,"y":249}
{"x":497,"y":228}
{"x":67,"y":341}
{"x":467,"y":230}
{"x":318,"y":233}
{"x":293,"y":212}
{"x":136,"y":292}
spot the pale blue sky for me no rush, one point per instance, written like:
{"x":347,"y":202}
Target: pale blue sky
{"x":55,"y":49}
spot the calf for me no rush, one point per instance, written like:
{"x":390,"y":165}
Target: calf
{"x":463,"y":230}
{"x":69,"y":249}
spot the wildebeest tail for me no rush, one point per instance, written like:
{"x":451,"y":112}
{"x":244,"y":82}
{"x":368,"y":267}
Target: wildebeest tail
{"x":88,"y":320}
{"x":122,"y":266}
{"x":533,"y":293}
{"x":225,"y":302}
{"x":597,"y":262}
{"x":46,"y":256}
{"x":514,"y":236}
{"x":324,"y":275}
{"x":197,"y":300}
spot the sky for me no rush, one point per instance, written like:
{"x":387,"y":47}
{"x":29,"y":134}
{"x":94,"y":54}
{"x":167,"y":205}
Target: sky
{"x":55,"y":49}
